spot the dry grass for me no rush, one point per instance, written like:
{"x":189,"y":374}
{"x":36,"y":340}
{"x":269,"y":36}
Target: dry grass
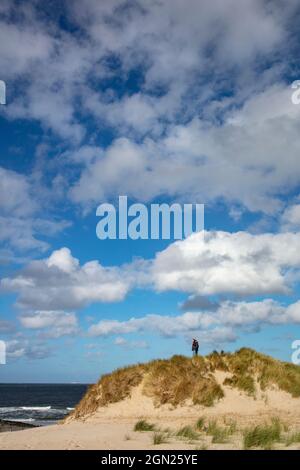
{"x":181,"y":378}
{"x":243,"y":382}
{"x":178,"y":379}
{"x":263,"y":436}
{"x":217,"y":361}
{"x":268,"y":371}
{"x":111,"y":388}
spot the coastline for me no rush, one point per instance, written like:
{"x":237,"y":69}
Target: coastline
{"x":11,"y":426}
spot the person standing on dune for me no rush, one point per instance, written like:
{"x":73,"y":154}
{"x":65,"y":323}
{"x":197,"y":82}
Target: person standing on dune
{"x":195,"y":347}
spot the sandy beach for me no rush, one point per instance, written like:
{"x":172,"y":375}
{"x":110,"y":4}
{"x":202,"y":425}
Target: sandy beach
{"x":112,"y":427}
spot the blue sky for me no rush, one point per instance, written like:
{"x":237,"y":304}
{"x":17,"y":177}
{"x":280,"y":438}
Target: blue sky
{"x":173,"y":101}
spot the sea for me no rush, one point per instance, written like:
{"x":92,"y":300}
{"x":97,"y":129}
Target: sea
{"x":39,"y":404}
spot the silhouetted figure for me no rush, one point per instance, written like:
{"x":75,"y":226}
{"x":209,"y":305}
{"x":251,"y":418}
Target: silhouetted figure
{"x":195,"y":347}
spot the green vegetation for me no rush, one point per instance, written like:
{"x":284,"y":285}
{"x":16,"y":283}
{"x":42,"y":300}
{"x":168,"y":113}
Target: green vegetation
{"x":187,"y":432}
{"x":143,"y":425}
{"x":268,"y":371}
{"x":111,"y":388}
{"x":219,"y":433}
{"x":200,"y":423}
{"x":263,"y":436}
{"x":173,"y":381}
{"x":159,"y":438}
{"x":243,"y":382}
{"x":232,"y":426}
{"x":179,"y":378}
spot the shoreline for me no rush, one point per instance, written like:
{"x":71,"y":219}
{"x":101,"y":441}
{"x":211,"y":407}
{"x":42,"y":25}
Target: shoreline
{"x":10,"y":426}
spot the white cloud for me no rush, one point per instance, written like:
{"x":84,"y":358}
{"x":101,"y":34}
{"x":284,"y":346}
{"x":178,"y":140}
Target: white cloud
{"x":20,"y":222}
{"x":120,"y":341}
{"x":178,"y":119}
{"x":60,"y":283}
{"x":164,"y":325}
{"x":238,"y":263}
{"x":220,"y":325}
{"x":18,"y":348}
{"x":267,"y":311}
{"x":177,"y":46}
{"x":57,"y":323}
{"x":15,"y":197}
{"x":290,"y":219}
{"x":63,"y":260}
{"x":206,"y":161}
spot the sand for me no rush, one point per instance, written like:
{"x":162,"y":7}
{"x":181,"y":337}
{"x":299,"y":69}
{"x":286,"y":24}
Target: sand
{"x":111,"y":427}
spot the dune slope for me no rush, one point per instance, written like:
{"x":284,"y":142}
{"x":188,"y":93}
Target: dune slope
{"x":220,"y":401}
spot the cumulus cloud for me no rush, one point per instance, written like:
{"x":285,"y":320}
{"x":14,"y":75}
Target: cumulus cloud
{"x":170,"y":40}
{"x":20,"y":223}
{"x":15,"y":197}
{"x":206,"y":161}
{"x":234,"y":263}
{"x":239,"y":264}
{"x":18,"y":348}
{"x":290,"y":219}
{"x":60,"y":283}
{"x":200,"y":95}
{"x":164,"y":325}
{"x":55,"y":323}
{"x":198,"y":302}
{"x":219,"y":326}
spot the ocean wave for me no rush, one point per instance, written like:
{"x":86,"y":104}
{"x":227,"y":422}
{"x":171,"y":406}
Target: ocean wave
{"x":35,"y":408}
{"x":25,"y":420}
{"x":39,"y":414}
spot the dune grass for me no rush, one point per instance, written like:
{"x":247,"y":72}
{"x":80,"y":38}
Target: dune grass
{"x":159,"y":438}
{"x":111,"y":388}
{"x":143,"y":425}
{"x":220,"y":434}
{"x":269,"y":371}
{"x":200,"y":423}
{"x":263,"y":436}
{"x":187,"y":432}
{"x":232,"y":426}
{"x":243,"y":382}
{"x":293,"y":438}
{"x":178,"y":379}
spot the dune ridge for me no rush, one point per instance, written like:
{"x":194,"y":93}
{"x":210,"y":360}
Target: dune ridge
{"x":181,"y":380}
{"x":221,"y":401}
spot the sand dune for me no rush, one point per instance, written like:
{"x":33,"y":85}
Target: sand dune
{"x":111,"y":425}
